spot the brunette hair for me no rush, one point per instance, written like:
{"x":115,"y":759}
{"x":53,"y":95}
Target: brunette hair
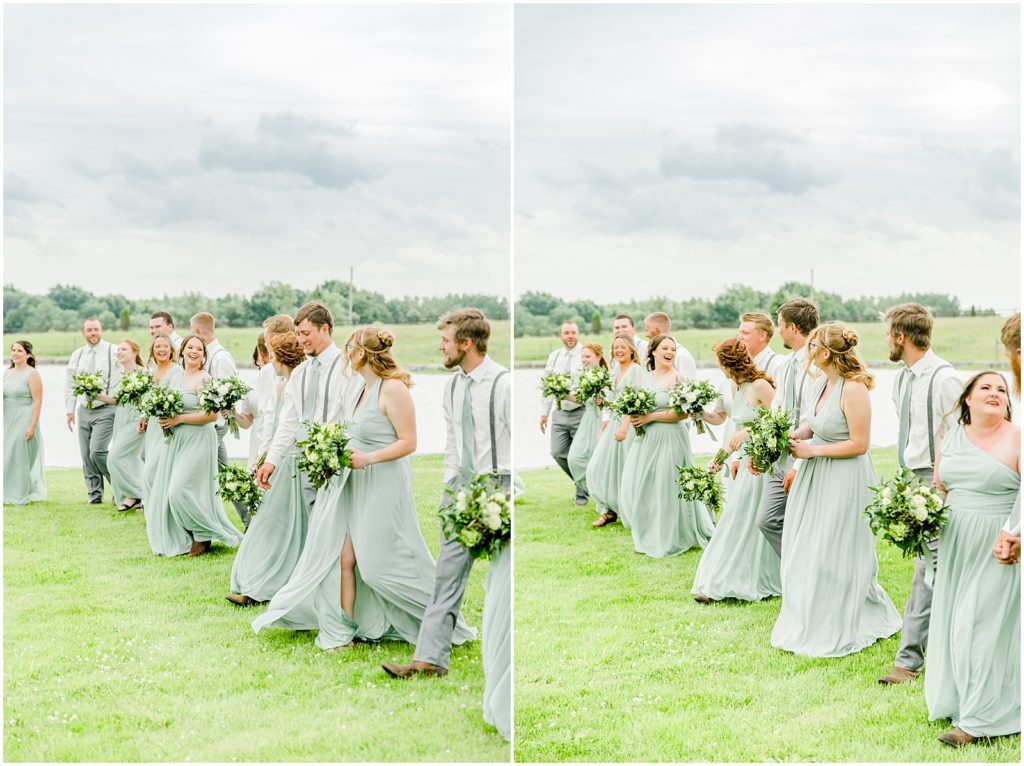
{"x":735,"y":361}
{"x":317,"y":314}
{"x":138,"y":352}
{"x":841,"y":343}
{"x":162,"y":315}
{"x":287,"y":350}
{"x":761,"y":320}
{"x":803,"y":314}
{"x":630,"y":343}
{"x":655,"y":342}
{"x":468,"y":323}
{"x":260,"y":349}
{"x":598,"y":351}
{"x":185,"y":343}
{"x":914,"y":321}
{"x":173,"y":357}
{"x":376,"y":343}
{"x":626,"y":316}
{"x":27,"y":346}
{"x":961,"y":403}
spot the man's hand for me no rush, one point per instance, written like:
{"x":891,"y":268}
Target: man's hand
{"x":71,"y":421}
{"x":263,"y":475}
{"x":543,"y":423}
{"x":1007,"y":548}
{"x":787,"y":483}
{"x":735,"y":468}
{"x":751,"y":468}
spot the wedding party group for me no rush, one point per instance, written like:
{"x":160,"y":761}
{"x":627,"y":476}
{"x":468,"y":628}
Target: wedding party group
{"x":791,"y":504}
{"x":331,"y":540}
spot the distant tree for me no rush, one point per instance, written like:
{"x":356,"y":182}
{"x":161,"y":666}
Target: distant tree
{"x":595,"y":323}
{"x":540,"y":304}
{"x":126,"y":319}
{"x":69,"y":296}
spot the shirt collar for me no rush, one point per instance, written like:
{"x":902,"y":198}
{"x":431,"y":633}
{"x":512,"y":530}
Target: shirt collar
{"x":327,"y":355}
{"x":480,"y":371}
{"x":923,"y":364}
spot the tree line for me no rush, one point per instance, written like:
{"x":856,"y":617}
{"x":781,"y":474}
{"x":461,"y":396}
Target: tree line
{"x":64,"y":307}
{"x":539,"y":313}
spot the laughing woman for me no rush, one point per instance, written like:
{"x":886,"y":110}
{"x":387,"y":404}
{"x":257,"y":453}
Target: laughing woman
{"x":125,"y":457}
{"x":166,"y":374}
{"x":585,"y":440}
{"x":24,"y":479}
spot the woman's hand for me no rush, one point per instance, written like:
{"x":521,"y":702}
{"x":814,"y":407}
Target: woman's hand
{"x":359,"y":460}
{"x":640,"y":420}
{"x":715,"y":467}
{"x":737,"y":440}
{"x":170,"y":422}
{"x":599,"y":401}
{"x":620,"y":434}
{"x":802,"y":449}
{"x":142,"y":425}
{"x":30,"y":433}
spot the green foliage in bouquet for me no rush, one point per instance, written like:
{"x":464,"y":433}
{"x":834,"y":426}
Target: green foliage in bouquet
{"x":767,"y":438}
{"x":593,"y":383}
{"x":558,"y":385}
{"x":690,"y":397}
{"x":477,"y":515}
{"x":324,"y":452}
{"x":907,"y":513}
{"x":132,"y":388}
{"x":220,"y":395}
{"x":161,"y":403}
{"x":702,"y":485}
{"x":236,"y":483}
{"x":88,"y":384}
{"x":634,"y":401}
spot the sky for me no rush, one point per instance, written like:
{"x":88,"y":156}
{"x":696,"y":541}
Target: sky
{"x":164,"y":149}
{"x":675,"y":150}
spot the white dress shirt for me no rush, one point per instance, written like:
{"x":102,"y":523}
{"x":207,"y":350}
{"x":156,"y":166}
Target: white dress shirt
{"x":685,"y":363}
{"x":806,"y":381}
{"x":261,"y":403}
{"x":176,"y":341}
{"x":219,"y":362}
{"x":948,"y":388}
{"x":103,"y":358}
{"x":563,"y":360}
{"x":483,"y":377}
{"x":337,"y":387}
{"x":769,"y":362}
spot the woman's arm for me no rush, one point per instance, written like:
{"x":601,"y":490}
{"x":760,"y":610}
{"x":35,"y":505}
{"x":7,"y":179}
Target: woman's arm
{"x":35,"y":387}
{"x":665,"y":416}
{"x":856,"y":405}
{"x":396,"y":403}
{"x":105,"y":398}
{"x":191,"y":419}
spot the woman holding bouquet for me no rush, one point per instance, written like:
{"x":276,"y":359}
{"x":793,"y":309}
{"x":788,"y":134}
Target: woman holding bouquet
{"x":738,"y":562}
{"x":366,"y":571}
{"x":166,"y":374}
{"x":184,"y":513}
{"x":24,"y":477}
{"x":662,"y":523}
{"x":604,"y":472}
{"x":124,"y":460}
{"x":274,"y":540}
{"x":583,"y":443}
{"x":974,"y":647}
{"x":832,"y":604}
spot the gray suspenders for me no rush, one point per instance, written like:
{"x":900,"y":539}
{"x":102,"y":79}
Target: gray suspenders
{"x":490,"y":414}
{"x":110,"y":366}
{"x":327,"y":385}
{"x":931,"y":409}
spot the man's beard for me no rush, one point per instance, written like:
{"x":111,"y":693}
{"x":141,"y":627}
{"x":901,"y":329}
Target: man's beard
{"x":896,"y":352}
{"x":450,"y":362}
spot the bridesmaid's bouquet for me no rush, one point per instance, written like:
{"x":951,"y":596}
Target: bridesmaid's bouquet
{"x":88,"y":384}
{"x":220,"y":395}
{"x":702,"y":485}
{"x":161,"y":403}
{"x":237,"y":484}
{"x":593,"y":383}
{"x":907,"y":512}
{"x":324,"y":452}
{"x":477,"y":515}
{"x":634,"y":401}
{"x":767,"y":438}
{"x":558,"y":385}
{"x":690,"y":397}
{"x":133,"y":387}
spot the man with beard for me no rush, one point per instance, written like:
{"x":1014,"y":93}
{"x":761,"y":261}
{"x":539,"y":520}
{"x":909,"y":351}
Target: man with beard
{"x":1007,"y":547}
{"x":925,"y":393}
{"x":477,"y":416}
{"x":566,"y":417}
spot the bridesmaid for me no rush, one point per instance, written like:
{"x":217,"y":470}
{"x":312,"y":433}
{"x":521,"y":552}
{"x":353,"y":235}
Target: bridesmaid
{"x":974,"y":646}
{"x":274,"y":540}
{"x":497,"y":643}
{"x":585,"y":440}
{"x":24,"y":477}
{"x":184,"y":513}
{"x":125,"y":457}
{"x":663,"y":524}
{"x":166,"y":374}
{"x":366,"y":520}
{"x":738,"y":562}
{"x":604,"y":472}
{"x":832,"y":604}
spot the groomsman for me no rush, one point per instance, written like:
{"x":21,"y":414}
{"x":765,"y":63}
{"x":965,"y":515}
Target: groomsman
{"x":95,"y":424}
{"x":318,"y":390}
{"x":794,"y":392}
{"x":565,"y":421}
{"x":659,"y":323}
{"x":1007,"y":546}
{"x":477,"y":415}
{"x":925,"y":393}
{"x":161,"y":322}
{"x":623,"y":324}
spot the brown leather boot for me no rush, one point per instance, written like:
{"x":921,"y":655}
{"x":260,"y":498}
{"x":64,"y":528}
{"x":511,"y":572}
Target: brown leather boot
{"x":957,"y":738}
{"x":416,"y":668}
{"x":199,"y":548}
{"x":899,"y":675}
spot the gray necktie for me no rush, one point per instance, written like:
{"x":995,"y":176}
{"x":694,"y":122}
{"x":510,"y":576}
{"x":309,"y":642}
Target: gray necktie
{"x":908,"y":383}
{"x":91,"y":367}
{"x":309,"y":400}
{"x":789,"y":396}
{"x":468,"y":467}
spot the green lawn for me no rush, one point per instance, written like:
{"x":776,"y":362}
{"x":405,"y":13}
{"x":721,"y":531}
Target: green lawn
{"x":615,"y":661}
{"x":964,"y":341}
{"x":113,"y":654}
{"x":414,"y":344}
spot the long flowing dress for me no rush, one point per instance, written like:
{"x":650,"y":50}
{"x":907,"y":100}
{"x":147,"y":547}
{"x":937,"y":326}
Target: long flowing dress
{"x":274,"y":540}
{"x":583,"y":443}
{"x":604,"y":471}
{"x":24,"y":475}
{"x":394,"y":570}
{"x":974,"y":635}
{"x":154,"y":443}
{"x":497,"y":643}
{"x":184,"y":504}
{"x":738,"y":562}
{"x":663,"y":524}
{"x":832,"y":604}
{"x":124,"y":460}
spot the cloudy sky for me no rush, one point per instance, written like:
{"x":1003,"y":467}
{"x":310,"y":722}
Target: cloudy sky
{"x":213,"y":148}
{"x":675,"y":150}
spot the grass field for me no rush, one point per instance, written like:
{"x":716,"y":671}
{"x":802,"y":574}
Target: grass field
{"x":113,"y":654}
{"x":963,"y":341}
{"x":414,"y":344}
{"x":616,"y":662}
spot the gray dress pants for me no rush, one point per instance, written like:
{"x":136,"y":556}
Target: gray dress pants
{"x":564,"y":424}
{"x":95,"y":427}
{"x":771,"y":514}
{"x":918,"y":611}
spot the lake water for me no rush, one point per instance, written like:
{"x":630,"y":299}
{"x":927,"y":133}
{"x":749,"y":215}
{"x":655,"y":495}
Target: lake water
{"x":533,"y":449}
{"x":61,"y":445}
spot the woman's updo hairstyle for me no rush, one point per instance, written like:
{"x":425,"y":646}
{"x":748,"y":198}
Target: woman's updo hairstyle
{"x":735,"y":361}
{"x":376,"y":343}
{"x":841,"y":343}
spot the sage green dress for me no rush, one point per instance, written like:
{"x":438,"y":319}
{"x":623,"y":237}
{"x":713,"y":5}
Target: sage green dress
{"x":184,"y":504}
{"x":124,"y":460}
{"x":276,"y":535}
{"x":24,"y":475}
{"x":584,"y":442}
{"x":497,"y":643}
{"x":974,"y":635}
{"x":394,"y":570}
{"x":662,"y":523}
{"x":155,"y":442}
{"x":832,"y":604}
{"x":738,"y":562}
{"x":604,"y":471}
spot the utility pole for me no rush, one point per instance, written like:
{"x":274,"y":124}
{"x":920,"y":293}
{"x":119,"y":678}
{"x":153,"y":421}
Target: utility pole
{"x":811,"y":298}
{"x":351,"y":287}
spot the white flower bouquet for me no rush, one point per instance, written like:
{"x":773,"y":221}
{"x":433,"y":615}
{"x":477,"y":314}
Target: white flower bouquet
{"x":690,"y":397}
{"x":477,"y":515}
{"x":634,"y":401}
{"x":767,"y":438}
{"x":161,"y":403}
{"x":324,"y":452}
{"x":235,"y":483}
{"x":132,"y":388}
{"x":88,"y":384}
{"x":907,"y":513}
{"x":702,"y":484}
{"x":558,"y":385}
{"x":220,"y":395}
{"x":593,"y":383}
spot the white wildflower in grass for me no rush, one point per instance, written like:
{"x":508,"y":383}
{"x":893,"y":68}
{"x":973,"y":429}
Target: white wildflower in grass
{"x":702,"y":485}
{"x":132,"y":388}
{"x":477,"y":514}
{"x":690,"y":397}
{"x":237,"y":483}
{"x":161,"y":403}
{"x":558,"y":385}
{"x":907,"y":513}
{"x":324,"y":452}
{"x":593,"y":383}
{"x":767,"y":438}
{"x":220,"y":395}
{"x":88,"y":384}
{"x":634,"y":401}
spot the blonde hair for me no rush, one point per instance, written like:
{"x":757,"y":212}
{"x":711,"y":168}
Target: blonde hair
{"x":376,"y":343}
{"x":841,"y":343}
{"x":661,"y":319}
{"x":761,"y":321}
{"x":278,"y":323}
{"x":630,"y":343}
{"x":204,"y":321}
{"x":173,"y":357}
{"x":1010,"y":333}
